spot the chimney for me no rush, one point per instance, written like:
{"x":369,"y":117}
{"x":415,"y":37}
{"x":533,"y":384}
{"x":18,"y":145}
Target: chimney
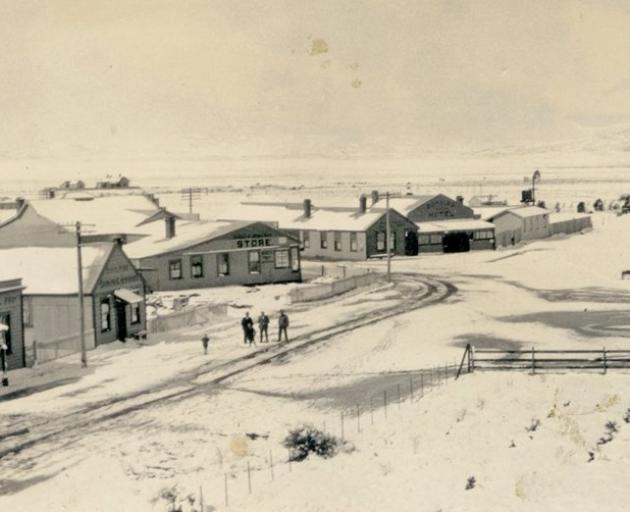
{"x":307,"y":208}
{"x":375,"y":196}
{"x":362,"y":203}
{"x":19,"y":202}
{"x":460,"y":199}
{"x":170,"y":226}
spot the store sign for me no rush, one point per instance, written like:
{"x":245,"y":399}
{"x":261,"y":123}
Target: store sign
{"x":253,"y":242}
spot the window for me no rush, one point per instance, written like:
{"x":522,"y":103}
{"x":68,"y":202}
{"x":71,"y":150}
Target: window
{"x":27,"y":312}
{"x":353,"y":242}
{"x":254,"y":262}
{"x":424,"y":239}
{"x":392,"y":241}
{"x":196,"y":266}
{"x":306,"y":239}
{"x":106,"y":316}
{"x":135,"y":313}
{"x":380,"y":241}
{"x":295,"y":259}
{"x":175,"y":269}
{"x":324,"y":240}
{"x":337,"y":241}
{"x":6,"y":320}
{"x":483,"y":235}
{"x":282,"y":258}
{"x":435,"y":239}
{"x":223,"y":264}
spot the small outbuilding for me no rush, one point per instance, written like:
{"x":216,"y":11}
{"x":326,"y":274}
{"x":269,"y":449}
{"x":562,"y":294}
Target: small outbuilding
{"x":521,"y":223}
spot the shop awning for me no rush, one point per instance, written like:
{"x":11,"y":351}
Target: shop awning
{"x":128,"y":296}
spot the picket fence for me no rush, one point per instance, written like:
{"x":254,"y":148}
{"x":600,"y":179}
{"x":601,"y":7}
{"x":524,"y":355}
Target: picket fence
{"x":326,"y":290}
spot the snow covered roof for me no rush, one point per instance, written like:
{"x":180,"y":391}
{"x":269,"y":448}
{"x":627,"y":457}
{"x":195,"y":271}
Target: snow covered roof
{"x":487,"y":212}
{"x":102,"y":215}
{"x":53,"y":270}
{"x":187,"y":234}
{"x":291,"y":216}
{"x":406,"y":204}
{"x":447,"y":226}
{"x":523,"y":211}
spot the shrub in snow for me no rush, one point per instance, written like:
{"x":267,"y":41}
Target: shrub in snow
{"x":611,"y":430}
{"x":626,"y":417}
{"x":470,"y":483}
{"x":306,"y":439}
{"x":180,"y":502}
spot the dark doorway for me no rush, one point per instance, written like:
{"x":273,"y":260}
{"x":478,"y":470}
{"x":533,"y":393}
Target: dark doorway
{"x":411,"y":243}
{"x":121,"y":320}
{"x":456,"y":242}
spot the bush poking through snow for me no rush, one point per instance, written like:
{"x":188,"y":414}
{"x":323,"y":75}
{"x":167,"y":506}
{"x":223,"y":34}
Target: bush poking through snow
{"x":470,"y":483}
{"x":626,"y":416}
{"x":306,"y":439}
{"x":178,"y":502}
{"x":611,"y":430}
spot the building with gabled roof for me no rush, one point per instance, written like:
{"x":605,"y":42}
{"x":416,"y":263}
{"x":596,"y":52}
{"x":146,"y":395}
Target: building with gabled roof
{"x":188,"y":255}
{"x":336,"y":233}
{"x":520,"y":223}
{"x":50,"y":222}
{"x":113,"y":292}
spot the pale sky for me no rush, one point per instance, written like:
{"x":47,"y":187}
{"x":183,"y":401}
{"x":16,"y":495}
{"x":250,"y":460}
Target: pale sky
{"x":195,"y":79}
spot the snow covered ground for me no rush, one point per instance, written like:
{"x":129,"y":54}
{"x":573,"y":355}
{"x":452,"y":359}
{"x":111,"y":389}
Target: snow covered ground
{"x":557,"y":293}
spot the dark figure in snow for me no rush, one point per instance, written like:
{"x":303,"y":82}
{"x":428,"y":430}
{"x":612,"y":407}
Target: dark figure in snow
{"x":283,"y":324}
{"x":263,"y":326}
{"x":204,"y":341}
{"x":248,"y":329}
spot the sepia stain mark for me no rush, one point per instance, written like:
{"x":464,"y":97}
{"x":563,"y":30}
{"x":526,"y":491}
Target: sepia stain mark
{"x":356,"y":83}
{"x":319,"y":46}
{"x":239,"y":446}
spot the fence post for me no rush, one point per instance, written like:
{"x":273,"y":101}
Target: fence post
{"x":605,"y":362}
{"x":471,"y":356}
{"x":533,"y":360}
{"x":342,"y":433}
{"x":34,"y":353}
{"x":271,"y":464}
{"x":249,"y":478}
{"x":399,"y":395}
{"x":385,"y":402}
{"x":201,"y":504}
{"x":411,"y":388}
{"x":358,"y":419}
{"x":445,"y":372}
{"x":421,"y":385}
{"x":372,"y":410}
{"x":227,"y":501}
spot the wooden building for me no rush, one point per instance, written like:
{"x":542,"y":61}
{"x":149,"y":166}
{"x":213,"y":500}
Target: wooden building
{"x":520,"y":223}
{"x":113,"y":296}
{"x":338,"y":233}
{"x":444,"y":224}
{"x":12,"y":330}
{"x":188,"y":255}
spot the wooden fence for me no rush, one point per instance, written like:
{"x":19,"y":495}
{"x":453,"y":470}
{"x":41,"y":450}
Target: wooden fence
{"x":538,"y":360}
{"x":308,"y":293}
{"x":191,"y":316}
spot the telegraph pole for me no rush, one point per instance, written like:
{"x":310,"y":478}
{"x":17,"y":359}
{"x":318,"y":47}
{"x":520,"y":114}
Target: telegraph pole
{"x":387,"y":238}
{"x":81,"y":308}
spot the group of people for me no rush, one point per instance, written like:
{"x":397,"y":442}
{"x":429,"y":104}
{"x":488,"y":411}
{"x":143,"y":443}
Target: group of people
{"x":249,"y":332}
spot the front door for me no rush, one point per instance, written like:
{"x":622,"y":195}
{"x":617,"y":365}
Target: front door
{"x":411,"y":243}
{"x":121,"y":320}
{"x":456,"y":242}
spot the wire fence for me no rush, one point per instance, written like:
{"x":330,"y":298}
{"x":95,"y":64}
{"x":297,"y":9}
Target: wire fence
{"x":255,"y":472}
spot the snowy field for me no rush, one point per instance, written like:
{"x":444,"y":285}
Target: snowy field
{"x":143,"y":418}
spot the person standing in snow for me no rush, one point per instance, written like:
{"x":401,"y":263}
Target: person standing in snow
{"x":248,"y":329}
{"x":248,"y":326}
{"x":263,"y":326}
{"x":204,"y":341}
{"x":283,"y":325}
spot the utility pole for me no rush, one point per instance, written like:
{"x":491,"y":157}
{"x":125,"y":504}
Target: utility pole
{"x":387,"y":239}
{"x":535,"y":176}
{"x":81,"y":309}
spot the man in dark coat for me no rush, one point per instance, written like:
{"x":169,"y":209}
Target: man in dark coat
{"x":204,"y":341}
{"x":263,"y":326}
{"x":283,"y":324}
{"x":248,"y":329}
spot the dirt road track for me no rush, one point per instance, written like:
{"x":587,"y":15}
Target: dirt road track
{"x":27,"y":434}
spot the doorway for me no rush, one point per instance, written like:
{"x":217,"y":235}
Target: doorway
{"x":411,"y":243}
{"x":456,"y":242}
{"x":121,"y":320}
